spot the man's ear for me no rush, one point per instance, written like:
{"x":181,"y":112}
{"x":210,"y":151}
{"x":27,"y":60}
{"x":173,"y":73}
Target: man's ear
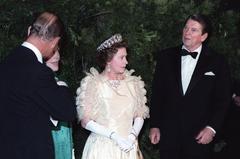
{"x":204,"y":37}
{"x":29,"y":28}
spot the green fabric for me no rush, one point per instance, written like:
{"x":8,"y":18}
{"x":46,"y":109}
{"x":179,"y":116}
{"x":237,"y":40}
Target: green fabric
{"x":62,"y":138}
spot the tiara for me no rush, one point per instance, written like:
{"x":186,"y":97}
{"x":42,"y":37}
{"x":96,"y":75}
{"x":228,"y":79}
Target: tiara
{"x":109,"y":42}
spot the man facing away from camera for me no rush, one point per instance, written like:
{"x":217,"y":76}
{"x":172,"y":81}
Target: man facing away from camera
{"x":29,"y":94}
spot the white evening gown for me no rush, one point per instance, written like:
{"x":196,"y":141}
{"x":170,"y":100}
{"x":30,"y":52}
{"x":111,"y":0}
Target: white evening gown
{"x":113,"y":108}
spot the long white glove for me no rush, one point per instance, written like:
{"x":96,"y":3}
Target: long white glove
{"x":124,"y":144}
{"x":137,"y":126}
{"x":98,"y":129}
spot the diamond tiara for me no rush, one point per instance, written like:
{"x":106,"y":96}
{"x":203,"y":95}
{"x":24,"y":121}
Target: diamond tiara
{"x":109,"y":42}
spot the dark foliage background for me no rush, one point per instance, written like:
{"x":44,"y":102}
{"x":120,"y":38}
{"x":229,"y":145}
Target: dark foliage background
{"x":148,"y":25}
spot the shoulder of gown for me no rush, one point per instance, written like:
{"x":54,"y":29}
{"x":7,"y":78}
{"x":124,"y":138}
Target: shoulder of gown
{"x":141,"y":109}
{"x":87,"y":93}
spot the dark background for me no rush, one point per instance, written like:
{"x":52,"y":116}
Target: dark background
{"x":148,"y":25}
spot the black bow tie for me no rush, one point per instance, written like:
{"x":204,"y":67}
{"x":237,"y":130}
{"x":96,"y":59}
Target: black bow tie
{"x":185,"y":53}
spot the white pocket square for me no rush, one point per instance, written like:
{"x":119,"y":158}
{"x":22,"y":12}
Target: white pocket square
{"x":209,"y":73}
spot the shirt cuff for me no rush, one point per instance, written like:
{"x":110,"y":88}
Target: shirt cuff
{"x":55,"y":122}
{"x":211,"y":129}
{"x":62,"y":83}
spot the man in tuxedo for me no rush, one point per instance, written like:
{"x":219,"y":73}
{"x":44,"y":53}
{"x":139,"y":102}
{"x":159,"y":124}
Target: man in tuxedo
{"x":29,"y":94}
{"x":190,"y":95}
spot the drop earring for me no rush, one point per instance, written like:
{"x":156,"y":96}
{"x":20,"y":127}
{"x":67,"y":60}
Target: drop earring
{"x":108,"y":68}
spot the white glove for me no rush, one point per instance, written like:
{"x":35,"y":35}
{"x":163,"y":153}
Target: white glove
{"x":98,"y":129}
{"x":132,"y":138}
{"x":124,"y":144}
{"x":137,"y":126}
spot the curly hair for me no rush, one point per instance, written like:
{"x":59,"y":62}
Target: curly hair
{"x":107,"y":54}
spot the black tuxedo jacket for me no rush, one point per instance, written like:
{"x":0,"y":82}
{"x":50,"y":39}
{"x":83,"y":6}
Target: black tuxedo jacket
{"x":205,"y":102}
{"x":29,"y":95}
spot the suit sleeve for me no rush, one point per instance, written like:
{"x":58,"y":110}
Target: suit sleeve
{"x":222,"y":97}
{"x":56,"y":100}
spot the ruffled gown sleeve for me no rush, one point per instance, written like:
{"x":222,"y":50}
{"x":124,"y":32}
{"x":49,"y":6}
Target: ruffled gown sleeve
{"x":141,"y":109}
{"x":87,"y":96}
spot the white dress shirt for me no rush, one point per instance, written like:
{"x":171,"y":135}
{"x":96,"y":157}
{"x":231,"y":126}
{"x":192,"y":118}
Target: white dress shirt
{"x":188,"y":65}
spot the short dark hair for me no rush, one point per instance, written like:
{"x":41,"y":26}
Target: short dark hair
{"x":204,"y":21}
{"x":107,"y":54}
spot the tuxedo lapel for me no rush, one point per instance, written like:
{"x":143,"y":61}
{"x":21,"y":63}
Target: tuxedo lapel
{"x":199,"y":70}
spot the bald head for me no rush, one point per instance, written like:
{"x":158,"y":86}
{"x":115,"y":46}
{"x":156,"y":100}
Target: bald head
{"x":46,"y":33}
{"x":47,"y":26}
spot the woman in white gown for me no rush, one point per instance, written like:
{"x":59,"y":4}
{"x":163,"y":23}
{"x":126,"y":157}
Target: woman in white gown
{"x":111,"y":105}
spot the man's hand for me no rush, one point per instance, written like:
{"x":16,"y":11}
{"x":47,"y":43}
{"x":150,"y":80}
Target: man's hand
{"x":236,"y":100}
{"x":154,"y":135}
{"x":205,"y":136}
